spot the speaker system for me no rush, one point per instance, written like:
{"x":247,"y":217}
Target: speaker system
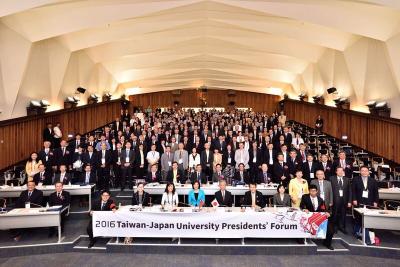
{"x":331,"y":90}
{"x":81,"y":90}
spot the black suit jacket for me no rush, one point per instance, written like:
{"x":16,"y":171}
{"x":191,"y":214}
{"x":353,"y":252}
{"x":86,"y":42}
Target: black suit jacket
{"x":92,"y":179}
{"x":246,"y":177}
{"x":67,"y":178}
{"x":347,"y":191}
{"x":149,"y":178}
{"x":51,"y":161}
{"x":63,"y":159}
{"x":203,"y":159}
{"x":90,"y":160}
{"x":180,"y":176}
{"x":294,"y":166}
{"x":348,"y":170}
{"x":36,"y":198}
{"x":145,"y":200}
{"x":279,"y":171}
{"x":47,"y":178}
{"x":64,"y":200}
{"x":260,"y":177}
{"x":107,"y":159}
{"x":259,"y":199}
{"x":109,"y":205}
{"x":328,"y":169}
{"x":358,"y":188}
{"x":307,"y":204}
{"x":228,"y":201}
{"x":47,"y":136}
{"x":307,"y":172}
{"x":203,"y":178}
{"x":267,"y":156}
{"x":259,"y":158}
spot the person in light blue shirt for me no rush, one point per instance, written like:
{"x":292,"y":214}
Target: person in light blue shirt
{"x":196,"y":195}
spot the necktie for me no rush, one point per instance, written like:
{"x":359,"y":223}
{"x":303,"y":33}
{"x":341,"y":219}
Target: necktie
{"x":29,"y":194}
{"x":223,"y":195}
{"x":103,"y":205}
{"x":41,"y":176}
{"x":58,"y":195}
{"x":63,"y":151}
{"x":340,"y":182}
{"x":315,"y":204}
{"x":87,"y":177}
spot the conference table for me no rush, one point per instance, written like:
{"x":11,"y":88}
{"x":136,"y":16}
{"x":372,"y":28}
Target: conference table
{"x":379,"y":219}
{"x":32,"y":218}
{"x":209,"y":222}
{"x":389,"y":193}
{"x":74,"y":190}
{"x":210,"y":189}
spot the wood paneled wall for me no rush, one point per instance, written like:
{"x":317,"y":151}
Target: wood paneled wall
{"x":375,"y":134}
{"x":215,"y":98}
{"x":19,"y":137}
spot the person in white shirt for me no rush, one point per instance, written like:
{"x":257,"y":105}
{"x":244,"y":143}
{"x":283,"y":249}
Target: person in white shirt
{"x":170,"y":197}
{"x":194,"y":160}
{"x":297,"y":141}
{"x":152,"y":157}
{"x":57,"y":135}
{"x":242,"y":156}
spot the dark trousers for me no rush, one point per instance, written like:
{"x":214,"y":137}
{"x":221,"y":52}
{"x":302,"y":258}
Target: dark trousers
{"x":339,"y":215}
{"x":89,"y":230}
{"x":126,"y":175}
{"x":117,"y":175}
{"x":140,"y":172}
{"x":103,"y":178}
{"x":329,"y":232}
{"x":52,"y":230}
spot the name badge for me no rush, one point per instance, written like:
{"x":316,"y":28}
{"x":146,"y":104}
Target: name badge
{"x":365,"y":194}
{"x":103,"y":161}
{"x":127,"y":159}
{"x":180,"y":161}
{"x":229,"y":160}
{"x":322,"y":195}
{"x":169,"y":163}
{"x":340,"y":193}
{"x":254,"y":160}
{"x":312,"y":175}
{"x":47,"y":158}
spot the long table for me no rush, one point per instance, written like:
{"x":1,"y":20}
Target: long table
{"x":379,"y":219}
{"x":31,"y":218}
{"x":389,"y":193}
{"x":209,"y":223}
{"x":74,"y":190}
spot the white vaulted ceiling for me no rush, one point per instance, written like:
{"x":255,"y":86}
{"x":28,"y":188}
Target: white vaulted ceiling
{"x":50,"y":47}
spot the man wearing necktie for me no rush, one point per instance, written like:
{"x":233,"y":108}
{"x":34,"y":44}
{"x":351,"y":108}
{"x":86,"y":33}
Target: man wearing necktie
{"x":253,"y":197}
{"x":342,"y":197}
{"x":59,"y":198}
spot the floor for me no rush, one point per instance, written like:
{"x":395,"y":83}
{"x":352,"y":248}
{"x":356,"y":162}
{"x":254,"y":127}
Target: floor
{"x":115,"y":259}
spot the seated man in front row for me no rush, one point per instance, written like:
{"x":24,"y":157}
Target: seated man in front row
{"x":31,"y":195}
{"x":313,"y":203}
{"x":103,"y":204}
{"x":59,"y":198}
{"x":242,"y":176}
{"x":224,"y":197}
{"x":253,"y":197}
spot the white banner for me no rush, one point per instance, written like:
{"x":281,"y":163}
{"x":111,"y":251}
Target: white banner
{"x":210,"y":224}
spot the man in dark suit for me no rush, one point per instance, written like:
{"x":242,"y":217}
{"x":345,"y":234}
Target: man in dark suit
{"x":365,"y":189}
{"x":46,"y":155}
{"x":313,"y":203}
{"x":263,"y":177}
{"x":253,"y":197}
{"x":48,"y":133}
{"x":242,"y":175}
{"x":103,"y":171}
{"x":44,"y":177}
{"x":255,"y":159}
{"x":281,"y":173}
{"x":153,"y":176}
{"x":90,"y":158}
{"x":326,"y":166}
{"x":342,"y":197}
{"x":287,"y":136}
{"x":175,"y":175}
{"x":63,"y":155}
{"x":223,"y":197}
{"x":198,"y":175}
{"x":206,"y":160}
{"x":294,"y":163}
{"x":270,"y":156}
{"x":116,"y":156}
{"x":31,"y":195}
{"x":103,"y":204}
{"x":309,"y":168}
{"x":59,"y":198}
{"x":88,"y":176}
{"x":127,"y":162}
{"x":345,"y":163}
{"x":63,"y":176}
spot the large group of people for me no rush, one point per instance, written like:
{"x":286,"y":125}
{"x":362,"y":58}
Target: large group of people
{"x":229,"y":148}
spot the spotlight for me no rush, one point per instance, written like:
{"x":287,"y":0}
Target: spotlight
{"x":318,"y":99}
{"x":107,"y":97}
{"x":81,"y":90}
{"x":44,"y":103}
{"x":383,"y":109}
{"x":35,"y":108}
{"x":302,"y":96}
{"x":331,"y":90}
{"x":371,"y":106}
{"x":93,"y":99}
{"x":342,"y":103}
{"x":381,"y":105}
{"x":71,"y":102}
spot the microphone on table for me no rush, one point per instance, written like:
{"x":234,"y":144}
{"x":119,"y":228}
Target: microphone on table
{"x":37,"y":205}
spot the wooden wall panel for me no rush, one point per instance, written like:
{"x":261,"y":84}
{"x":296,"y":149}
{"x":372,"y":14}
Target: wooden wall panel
{"x":215,"y":98}
{"x":376,"y":134}
{"x":19,"y":137}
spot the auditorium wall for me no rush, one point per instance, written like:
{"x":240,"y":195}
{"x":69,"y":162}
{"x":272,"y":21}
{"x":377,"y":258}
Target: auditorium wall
{"x":375,"y":134}
{"x":214,"y":98}
{"x":19,"y":137}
